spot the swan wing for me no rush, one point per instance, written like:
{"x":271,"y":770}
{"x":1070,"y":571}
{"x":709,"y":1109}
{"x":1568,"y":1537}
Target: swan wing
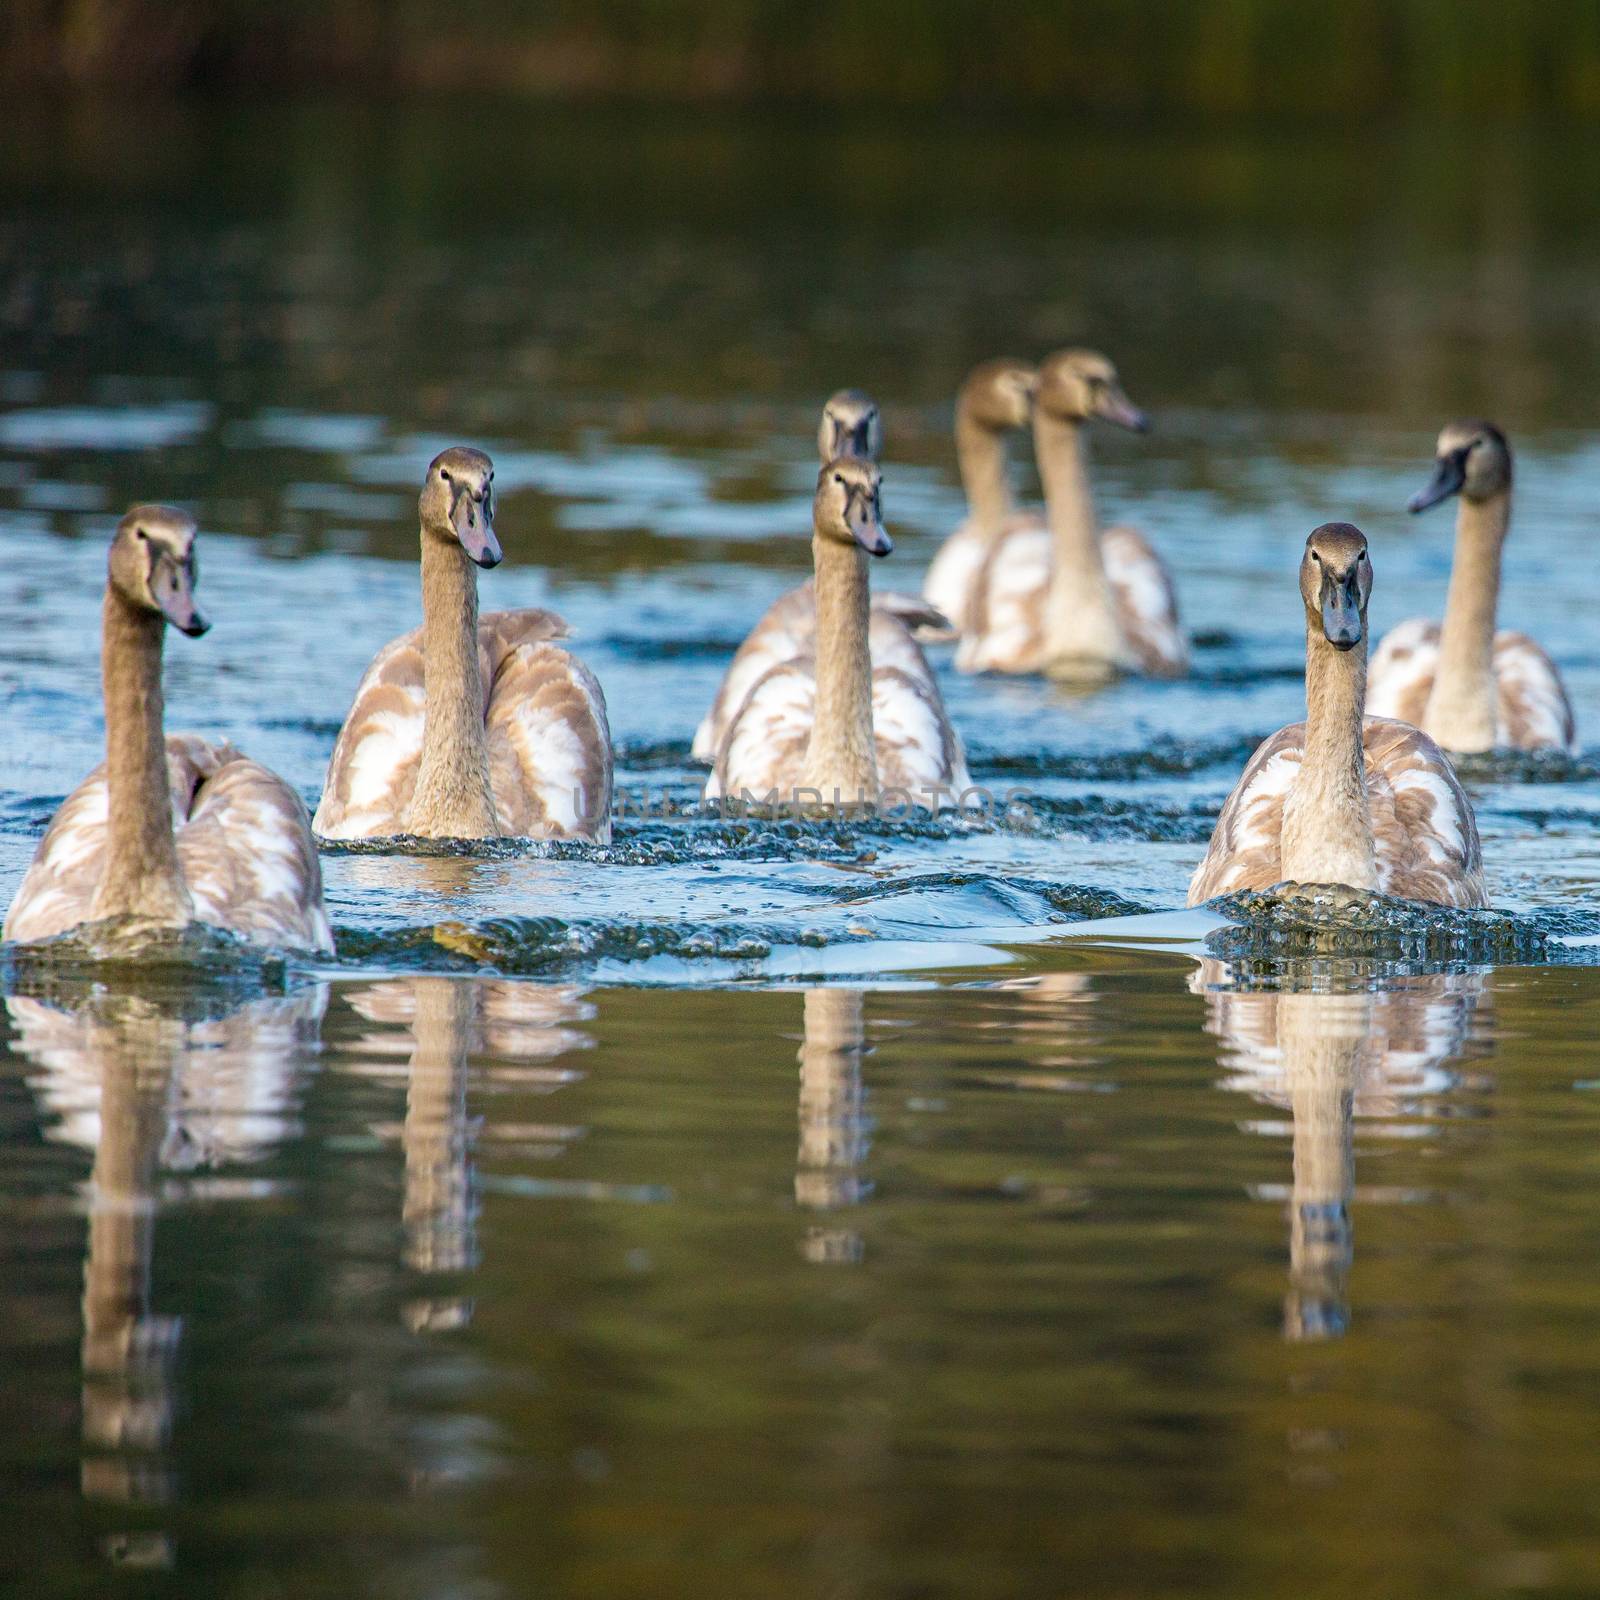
{"x":549,"y":745}
{"x":1246,"y":845}
{"x":1147,"y":602}
{"x":58,"y":889}
{"x":57,"y":892}
{"x":763,"y":750}
{"x":1006,"y":612}
{"x":788,"y":628}
{"x":1400,"y":678}
{"x":919,"y":752}
{"x":1533,"y":710}
{"x":1424,"y":835}
{"x":373,"y":770}
{"x":247,"y":852}
{"x":954,"y":573}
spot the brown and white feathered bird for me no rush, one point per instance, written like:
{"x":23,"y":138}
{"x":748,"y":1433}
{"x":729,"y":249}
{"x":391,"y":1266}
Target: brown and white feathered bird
{"x":171,"y":829}
{"x":1464,"y":684}
{"x":843,"y":721}
{"x":470,"y":727}
{"x":851,"y":426}
{"x":1070,"y":600}
{"x":996,"y":399}
{"x":1338,"y":798}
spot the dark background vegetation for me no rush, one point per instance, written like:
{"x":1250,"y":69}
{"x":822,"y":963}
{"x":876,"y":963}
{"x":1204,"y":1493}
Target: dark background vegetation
{"x":1346,"y":59}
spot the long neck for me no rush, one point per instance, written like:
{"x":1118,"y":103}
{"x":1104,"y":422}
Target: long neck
{"x":1461,"y":708}
{"x":142,"y":876}
{"x":1327,"y":821}
{"x":981,"y":453}
{"x":841,"y":755}
{"x":452,"y":798}
{"x":1080,"y":625}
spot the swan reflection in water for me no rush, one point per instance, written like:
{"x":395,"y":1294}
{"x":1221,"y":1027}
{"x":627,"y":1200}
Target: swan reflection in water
{"x":442,"y":1026}
{"x":833,"y":1124}
{"x":160,"y":1094}
{"x":1329,"y":1058}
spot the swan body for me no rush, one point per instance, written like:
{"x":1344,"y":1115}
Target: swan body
{"x":996,"y":398}
{"x":787,"y":631}
{"x":1468,"y":685}
{"x":170,"y":829}
{"x":470,"y":727}
{"x":544,"y":721}
{"x":850,"y":427}
{"x":1531,"y":708}
{"x":1068,"y":599}
{"x":1007,"y":612}
{"x":861,"y":714}
{"x":1342,"y":798}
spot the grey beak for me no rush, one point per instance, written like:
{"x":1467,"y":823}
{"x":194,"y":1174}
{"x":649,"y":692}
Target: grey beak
{"x":1449,"y":474}
{"x":1341,"y":612}
{"x":172,"y":587}
{"x":474,"y":525}
{"x":1116,"y":407}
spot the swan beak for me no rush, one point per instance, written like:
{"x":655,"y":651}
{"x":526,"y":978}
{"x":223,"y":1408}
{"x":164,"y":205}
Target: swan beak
{"x":173,"y":589}
{"x":1114,"y":406}
{"x":474,"y":525}
{"x":1449,"y":474}
{"x":1341,"y":612}
{"x":870,"y":533}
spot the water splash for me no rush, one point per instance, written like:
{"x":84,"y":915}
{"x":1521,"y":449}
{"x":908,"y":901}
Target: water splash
{"x":1317,"y":921}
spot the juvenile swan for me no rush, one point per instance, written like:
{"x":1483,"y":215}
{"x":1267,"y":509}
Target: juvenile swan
{"x":851,"y":426}
{"x":1070,"y":600}
{"x":470,"y":727}
{"x":996,"y":398}
{"x":1371,"y":803}
{"x":1463,"y":684}
{"x":169,"y":830}
{"x":838,"y":721}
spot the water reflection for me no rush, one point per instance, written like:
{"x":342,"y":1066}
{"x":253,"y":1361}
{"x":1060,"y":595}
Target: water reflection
{"x":151,"y":1089}
{"x":1330,"y":1053}
{"x":833,"y":1124}
{"x":444,"y":1024}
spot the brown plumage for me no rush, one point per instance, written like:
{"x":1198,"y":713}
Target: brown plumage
{"x":851,"y":428}
{"x":470,"y":727}
{"x":1468,"y":686}
{"x":170,"y":830}
{"x":1339,"y":798}
{"x":1069,"y":600}
{"x":534,"y":694}
{"x":849,"y":719}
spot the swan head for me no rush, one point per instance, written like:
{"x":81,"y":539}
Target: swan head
{"x":457,"y":503}
{"x":1472,"y":459}
{"x":849,"y":505}
{"x":999,"y":394}
{"x":1336,"y":582}
{"x":850,"y":426}
{"x":1077,"y":385}
{"x":152,"y":565}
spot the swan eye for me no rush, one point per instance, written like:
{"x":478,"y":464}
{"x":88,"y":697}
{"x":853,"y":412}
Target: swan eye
{"x":444,"y":473}
{"x":838,"y":478}
{"x":139,"y":533}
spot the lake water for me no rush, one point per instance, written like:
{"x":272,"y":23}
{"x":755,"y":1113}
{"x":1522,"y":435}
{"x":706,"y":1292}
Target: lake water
{"x":786,"y":1209}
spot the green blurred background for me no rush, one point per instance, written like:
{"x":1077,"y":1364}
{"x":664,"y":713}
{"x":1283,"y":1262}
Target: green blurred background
{"x":1350,"y":59}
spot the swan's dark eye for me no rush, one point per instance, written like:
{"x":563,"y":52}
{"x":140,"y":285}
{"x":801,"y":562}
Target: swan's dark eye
{"x":838,"y":478}
{"x":139,"y":533}
{"x":443,"y":473}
